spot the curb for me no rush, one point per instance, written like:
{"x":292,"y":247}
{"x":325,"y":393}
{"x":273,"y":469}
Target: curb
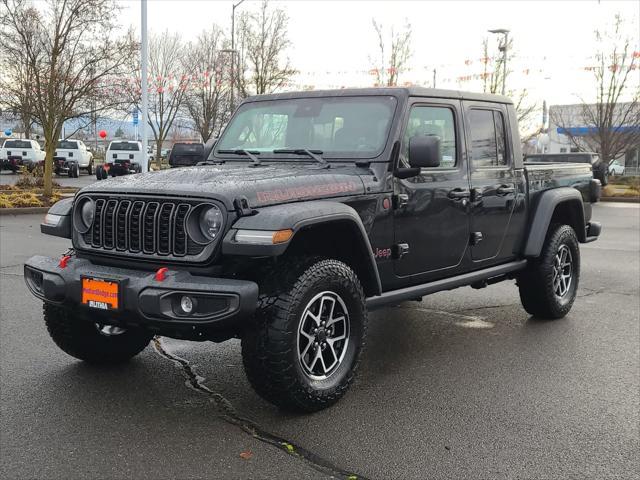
{"x":23,"y":210}
{"x":620,"y":199}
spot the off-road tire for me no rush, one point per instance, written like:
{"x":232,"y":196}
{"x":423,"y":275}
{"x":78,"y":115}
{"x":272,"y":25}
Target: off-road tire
{"x":82,"y":340}
{"x":536,"y":281}
{"x":99,"y":170}
{"x":90,"y":168}
{"x":270,"y":345}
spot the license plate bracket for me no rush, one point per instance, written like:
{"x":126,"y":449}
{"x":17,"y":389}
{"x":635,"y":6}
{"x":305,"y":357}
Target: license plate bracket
{"x":101,"y":293}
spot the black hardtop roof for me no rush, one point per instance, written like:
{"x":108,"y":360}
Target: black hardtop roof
{"x":393,"y":91}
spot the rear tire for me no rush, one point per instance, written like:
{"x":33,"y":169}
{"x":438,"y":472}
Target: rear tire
{"x":549,"y":285}
{"x":83,"y":340}
{"x":291,"y":358}
{"x":99,"y":171}
{"x":90,"y":168}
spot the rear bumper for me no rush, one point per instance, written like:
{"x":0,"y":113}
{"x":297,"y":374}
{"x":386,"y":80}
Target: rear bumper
{"x":220,"y":304}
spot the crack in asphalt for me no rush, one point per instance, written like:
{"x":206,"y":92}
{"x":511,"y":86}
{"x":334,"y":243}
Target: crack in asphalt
{"x":231,"y":416}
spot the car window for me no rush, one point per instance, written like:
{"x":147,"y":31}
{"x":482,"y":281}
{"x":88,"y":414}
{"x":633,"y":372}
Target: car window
{"x":340,"y":127}
{"x":431,"y":120}
{"x":488,"y":140}
{"x":125,"y":146}
{"x":67,"y":145}
{"x":17,"y":144}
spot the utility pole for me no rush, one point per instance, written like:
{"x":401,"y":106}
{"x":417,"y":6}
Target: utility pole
{"x":434,"y":78}
{"x":144,"y":51}
{"x":233,"y":49}
{"x":504,"y":48}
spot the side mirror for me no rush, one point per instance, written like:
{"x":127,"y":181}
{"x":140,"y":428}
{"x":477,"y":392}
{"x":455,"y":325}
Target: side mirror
{"x":424,"y":151}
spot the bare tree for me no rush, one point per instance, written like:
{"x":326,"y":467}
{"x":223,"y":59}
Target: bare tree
{"x":207,"y":99}
{"x":167,"y":88}
{"x":262,"y":43}
{"x":612,"y":125}
{"x":74,"y":59}
{"x":394,"y":56}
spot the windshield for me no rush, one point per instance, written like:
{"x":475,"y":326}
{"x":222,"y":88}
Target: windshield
{"x":17,"y":144}
{"x":67,"y":145}
{"x":339,"y":127}
{"x":573,"y":158}
{"x":126,"y":146}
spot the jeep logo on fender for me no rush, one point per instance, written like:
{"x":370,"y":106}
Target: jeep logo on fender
{"x":304,"y":192}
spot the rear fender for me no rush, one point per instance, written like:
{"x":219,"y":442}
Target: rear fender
{"x":565,"y":203}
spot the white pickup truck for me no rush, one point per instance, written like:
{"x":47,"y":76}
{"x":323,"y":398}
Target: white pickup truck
{"x":20,"y":152}
{"x":70,"y":157}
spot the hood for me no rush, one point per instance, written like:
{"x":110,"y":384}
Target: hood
{"x":267,"y":184}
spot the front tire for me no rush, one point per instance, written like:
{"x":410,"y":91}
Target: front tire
{"x":549,"y":285}
{"x":91,"y":342}
{"x":303,"y":348}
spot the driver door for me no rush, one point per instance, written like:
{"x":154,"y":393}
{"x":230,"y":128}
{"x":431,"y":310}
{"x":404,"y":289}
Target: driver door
{"x":431,"y":213}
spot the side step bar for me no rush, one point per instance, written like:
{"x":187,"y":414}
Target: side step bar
{"x":417,"y":291}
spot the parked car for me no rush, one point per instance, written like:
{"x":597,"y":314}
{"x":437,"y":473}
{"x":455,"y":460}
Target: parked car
{"x":20,"y":152}
{"x":350,"y":200}
{"x":122,"y":158}
{"x":615,"y":168}
{"x":599,"y":167}
{"x":186,"y":154}
{"x":71,"y":156}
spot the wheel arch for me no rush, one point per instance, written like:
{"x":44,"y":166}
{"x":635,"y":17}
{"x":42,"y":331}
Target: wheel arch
{"x":560,"y":205}
{"x":327,"y":228}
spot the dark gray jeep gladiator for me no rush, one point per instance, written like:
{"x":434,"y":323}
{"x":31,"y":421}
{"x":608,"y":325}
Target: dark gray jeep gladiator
{"x":311,"y":210}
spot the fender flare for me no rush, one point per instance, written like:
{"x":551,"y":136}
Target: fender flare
{"x":296,"y":217}
{"x":541,"y":219}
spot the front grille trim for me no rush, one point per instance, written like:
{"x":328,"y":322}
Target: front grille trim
{"x":144,"y":228}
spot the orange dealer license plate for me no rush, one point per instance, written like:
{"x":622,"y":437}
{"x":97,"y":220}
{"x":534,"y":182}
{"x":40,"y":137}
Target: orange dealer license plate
{"x":100,"y":293}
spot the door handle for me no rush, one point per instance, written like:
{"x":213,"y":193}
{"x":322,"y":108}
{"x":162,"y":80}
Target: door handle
{"x":505,"y":189}
{"x":458,"y":194}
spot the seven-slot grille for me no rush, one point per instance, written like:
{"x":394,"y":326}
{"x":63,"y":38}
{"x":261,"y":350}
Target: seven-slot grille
{"x":142,"y":226}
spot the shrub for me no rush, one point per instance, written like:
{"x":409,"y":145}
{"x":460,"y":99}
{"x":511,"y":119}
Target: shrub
{"x":4,"y":201}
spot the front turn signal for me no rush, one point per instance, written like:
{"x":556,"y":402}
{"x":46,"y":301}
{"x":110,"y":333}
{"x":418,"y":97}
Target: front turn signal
{"x":282,"y":236}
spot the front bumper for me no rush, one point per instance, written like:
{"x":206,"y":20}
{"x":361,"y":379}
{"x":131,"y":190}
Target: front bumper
{"x":221,"y":303}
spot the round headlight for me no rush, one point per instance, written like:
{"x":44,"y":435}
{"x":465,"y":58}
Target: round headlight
{"x":87,"y":213}
{"x":211,"y":222}
{"x":84,"y":215}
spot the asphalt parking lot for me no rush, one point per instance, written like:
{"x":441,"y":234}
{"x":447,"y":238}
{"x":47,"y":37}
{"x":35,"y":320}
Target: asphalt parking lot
{"x":461,"y":385}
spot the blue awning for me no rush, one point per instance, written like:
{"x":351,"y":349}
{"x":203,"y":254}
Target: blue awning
{"x":583,"y":131}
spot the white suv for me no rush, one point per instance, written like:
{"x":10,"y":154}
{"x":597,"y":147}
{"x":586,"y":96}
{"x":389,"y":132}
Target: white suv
{"x":70,"y":157}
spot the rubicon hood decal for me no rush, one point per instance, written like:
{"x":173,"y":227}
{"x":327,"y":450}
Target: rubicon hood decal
{"x":262,"y":186}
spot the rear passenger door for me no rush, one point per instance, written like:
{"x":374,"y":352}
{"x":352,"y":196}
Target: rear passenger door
{"x":492,"y":177}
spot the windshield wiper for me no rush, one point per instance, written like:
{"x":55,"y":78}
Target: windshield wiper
{"x":315,"y":154}
{"x":239,"y":151}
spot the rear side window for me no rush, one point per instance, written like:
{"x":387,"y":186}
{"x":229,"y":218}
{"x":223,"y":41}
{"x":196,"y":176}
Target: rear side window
{"x":488,"y":139}
{"x":432,"y":120}
{"x":125,"y":146}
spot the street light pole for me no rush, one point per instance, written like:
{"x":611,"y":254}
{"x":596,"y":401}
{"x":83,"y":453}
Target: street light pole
{"x":233,"y":49}
{"x":144,"y":51}
{"x":504,"y":48}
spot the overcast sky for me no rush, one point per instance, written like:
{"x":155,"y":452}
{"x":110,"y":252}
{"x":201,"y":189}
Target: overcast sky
{"x":332,"y":41}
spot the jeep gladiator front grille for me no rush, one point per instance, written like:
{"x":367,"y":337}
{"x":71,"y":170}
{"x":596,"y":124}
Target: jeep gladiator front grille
{"x":142,"y":227}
